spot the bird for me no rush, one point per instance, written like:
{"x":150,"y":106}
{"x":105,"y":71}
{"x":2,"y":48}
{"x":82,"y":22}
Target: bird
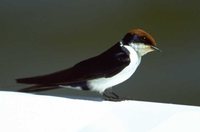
{"x":99,"y":73}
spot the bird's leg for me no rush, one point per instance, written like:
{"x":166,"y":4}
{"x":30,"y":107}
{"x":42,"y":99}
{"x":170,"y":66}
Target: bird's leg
{"x":109,"y":95}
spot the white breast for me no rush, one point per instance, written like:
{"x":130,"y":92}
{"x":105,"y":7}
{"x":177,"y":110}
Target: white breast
{"x":101,"y":84}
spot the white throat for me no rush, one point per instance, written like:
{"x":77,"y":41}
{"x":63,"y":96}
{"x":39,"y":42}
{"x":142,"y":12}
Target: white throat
{"x":141,"y":48}
{"x":101,"y":84}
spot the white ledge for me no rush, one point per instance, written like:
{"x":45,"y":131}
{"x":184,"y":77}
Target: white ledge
{"x":22,"y":112}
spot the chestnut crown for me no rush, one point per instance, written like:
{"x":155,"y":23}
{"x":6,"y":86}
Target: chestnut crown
{"x":138,"y":36}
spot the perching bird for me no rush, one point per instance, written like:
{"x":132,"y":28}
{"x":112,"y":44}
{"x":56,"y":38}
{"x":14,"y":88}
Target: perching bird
{"x":101,"y":72}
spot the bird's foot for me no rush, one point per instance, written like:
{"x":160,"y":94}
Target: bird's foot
{"x":111,"y":96}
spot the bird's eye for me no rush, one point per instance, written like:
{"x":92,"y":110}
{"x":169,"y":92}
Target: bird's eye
{"x":144,"y":38}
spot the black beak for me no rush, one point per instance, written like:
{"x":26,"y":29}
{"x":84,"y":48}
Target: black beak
{"x":155,"y":48}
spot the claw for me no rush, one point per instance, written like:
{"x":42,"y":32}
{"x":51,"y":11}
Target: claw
{"x":111,"y":96}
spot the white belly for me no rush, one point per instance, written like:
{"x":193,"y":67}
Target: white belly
{"x":103,"y":83}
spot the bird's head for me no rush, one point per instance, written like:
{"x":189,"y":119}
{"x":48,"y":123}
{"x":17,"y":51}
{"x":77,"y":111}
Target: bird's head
{"x":141,"y":41}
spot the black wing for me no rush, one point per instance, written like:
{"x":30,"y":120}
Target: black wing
{"x":106,"y":64}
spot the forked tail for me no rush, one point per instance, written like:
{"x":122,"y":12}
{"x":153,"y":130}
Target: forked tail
{"x":37,"y":88}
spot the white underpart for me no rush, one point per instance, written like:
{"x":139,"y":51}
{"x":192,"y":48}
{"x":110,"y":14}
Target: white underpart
{"x":102,"y":84}
{"x":70,"y":87}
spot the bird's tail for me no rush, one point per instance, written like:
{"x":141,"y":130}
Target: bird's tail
{"x":37,"y":88}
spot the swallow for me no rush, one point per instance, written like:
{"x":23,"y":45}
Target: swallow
{"x":102,"y":72}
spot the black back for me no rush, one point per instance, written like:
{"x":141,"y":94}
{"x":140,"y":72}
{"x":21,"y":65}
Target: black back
{"x":106,"y":64}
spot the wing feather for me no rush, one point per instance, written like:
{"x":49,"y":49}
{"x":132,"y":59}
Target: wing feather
{"x":106,"y":64}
